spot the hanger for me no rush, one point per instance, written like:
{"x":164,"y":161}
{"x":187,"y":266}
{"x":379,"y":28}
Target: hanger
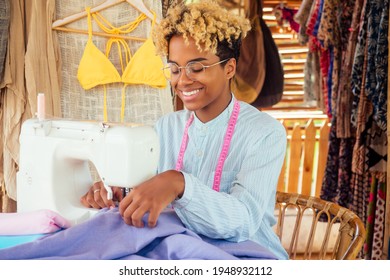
{"x":140,"y":6}
{"x":137,"y":4}
{"x":119,"y":36}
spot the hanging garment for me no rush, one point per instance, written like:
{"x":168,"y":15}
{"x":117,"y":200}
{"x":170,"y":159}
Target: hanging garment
{"x":344,"y":96}
{"x":13,"y":97}
{"x":377,"y":64}
{"x":31,"y":66}
{"x":144,"y":67}
{"x":272,"y":90}
{"x":373,"y":247}
{"x":333,"y":34}
{"x":302,"y":17}
{"x":312,"y":80}
{"x":250,"y":72}
{"x":372,"y":42}
{"x":285,"y":14}
{"x":369,"y":156}
{"x":4,"y":24}
{"x":328,"y":35}
{"x":145,"y":104}
{"x":336,"y":185}
{"x":317,"y":58}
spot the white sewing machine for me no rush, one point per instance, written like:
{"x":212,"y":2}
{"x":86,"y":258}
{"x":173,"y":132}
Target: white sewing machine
{"x":55,"y":155}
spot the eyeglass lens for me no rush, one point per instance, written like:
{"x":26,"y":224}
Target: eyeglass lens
{"x":172,"y":71}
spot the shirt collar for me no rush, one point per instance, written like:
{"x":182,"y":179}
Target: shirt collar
{"x":221,"y":120}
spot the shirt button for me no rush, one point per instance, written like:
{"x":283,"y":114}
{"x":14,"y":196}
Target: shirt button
{"x":199,"y":153}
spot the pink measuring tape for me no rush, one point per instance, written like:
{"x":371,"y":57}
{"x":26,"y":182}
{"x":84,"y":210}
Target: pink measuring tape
{"x":225,"y":147}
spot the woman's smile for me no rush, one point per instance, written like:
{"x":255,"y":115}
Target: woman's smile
{"x":190,"y":93}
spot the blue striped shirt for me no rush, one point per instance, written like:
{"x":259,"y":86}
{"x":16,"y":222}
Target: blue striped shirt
{"x":244,"y":207}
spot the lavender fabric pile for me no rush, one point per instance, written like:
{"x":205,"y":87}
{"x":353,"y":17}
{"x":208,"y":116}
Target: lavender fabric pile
{"x":106,"y":236}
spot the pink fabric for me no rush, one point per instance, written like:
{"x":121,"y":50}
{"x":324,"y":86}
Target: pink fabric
{"x":34,"y":222}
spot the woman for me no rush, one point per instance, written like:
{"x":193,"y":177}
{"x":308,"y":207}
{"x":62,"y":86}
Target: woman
{"x":220,"y":158}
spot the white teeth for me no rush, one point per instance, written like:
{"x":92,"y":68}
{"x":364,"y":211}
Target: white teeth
{"x":189,"y":93}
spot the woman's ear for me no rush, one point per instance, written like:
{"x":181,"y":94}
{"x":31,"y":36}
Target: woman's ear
{"x":230,"y":68}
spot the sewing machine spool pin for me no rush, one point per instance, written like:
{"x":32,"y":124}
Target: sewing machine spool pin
{"x":41,"y":107}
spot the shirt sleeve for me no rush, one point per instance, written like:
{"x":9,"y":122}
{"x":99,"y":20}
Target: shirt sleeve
{"x":238,"y":214}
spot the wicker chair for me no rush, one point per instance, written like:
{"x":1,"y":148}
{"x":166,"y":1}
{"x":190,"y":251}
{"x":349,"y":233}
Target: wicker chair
{"x":311,"y":228}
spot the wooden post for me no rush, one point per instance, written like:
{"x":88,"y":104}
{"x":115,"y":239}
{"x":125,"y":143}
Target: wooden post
{"x":294,"y":159}
{"x":308,"y":160}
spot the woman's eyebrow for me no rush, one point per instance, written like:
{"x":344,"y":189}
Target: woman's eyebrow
{"x":192,"y":60}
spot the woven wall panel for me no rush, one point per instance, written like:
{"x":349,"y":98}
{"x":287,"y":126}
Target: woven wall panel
{"x":144,"y":104}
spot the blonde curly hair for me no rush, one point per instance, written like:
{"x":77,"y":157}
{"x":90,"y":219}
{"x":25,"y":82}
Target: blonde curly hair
{"x":213,"y":28}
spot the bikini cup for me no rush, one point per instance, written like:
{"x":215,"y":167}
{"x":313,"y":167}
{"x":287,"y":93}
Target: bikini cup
{"x":144,"y":67}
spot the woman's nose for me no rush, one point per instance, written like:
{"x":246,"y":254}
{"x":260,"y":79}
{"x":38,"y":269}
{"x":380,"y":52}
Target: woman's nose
{"x":183,"y":78}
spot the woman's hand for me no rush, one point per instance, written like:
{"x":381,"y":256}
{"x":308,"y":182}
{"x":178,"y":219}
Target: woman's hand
{"x":96,"y":197}
{"x":151,"y":196}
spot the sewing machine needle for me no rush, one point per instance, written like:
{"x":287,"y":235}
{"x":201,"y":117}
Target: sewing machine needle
{"x":109,"y":191}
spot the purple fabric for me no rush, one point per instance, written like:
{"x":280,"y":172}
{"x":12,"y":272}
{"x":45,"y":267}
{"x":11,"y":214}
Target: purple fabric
{"x":106,"y":236}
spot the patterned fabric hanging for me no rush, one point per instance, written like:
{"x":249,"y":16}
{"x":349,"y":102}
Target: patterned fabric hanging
{"x":4,"y":24}
{"x":357,"y":159}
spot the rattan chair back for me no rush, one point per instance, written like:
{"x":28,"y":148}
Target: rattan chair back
{"x":339,"y":232}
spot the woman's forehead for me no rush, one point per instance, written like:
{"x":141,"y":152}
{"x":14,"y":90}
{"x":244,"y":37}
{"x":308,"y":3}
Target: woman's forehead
{"x":179,"y":47}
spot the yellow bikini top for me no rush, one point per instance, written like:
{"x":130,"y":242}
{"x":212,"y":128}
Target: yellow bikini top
{"x":144,"y":67}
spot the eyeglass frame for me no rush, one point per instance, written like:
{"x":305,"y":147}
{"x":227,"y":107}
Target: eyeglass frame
{"x":186,"y":68}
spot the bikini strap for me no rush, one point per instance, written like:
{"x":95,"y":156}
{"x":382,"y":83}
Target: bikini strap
{"x":88,"y":10}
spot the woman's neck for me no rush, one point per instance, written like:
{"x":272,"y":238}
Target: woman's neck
{"x":209,"y":113}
